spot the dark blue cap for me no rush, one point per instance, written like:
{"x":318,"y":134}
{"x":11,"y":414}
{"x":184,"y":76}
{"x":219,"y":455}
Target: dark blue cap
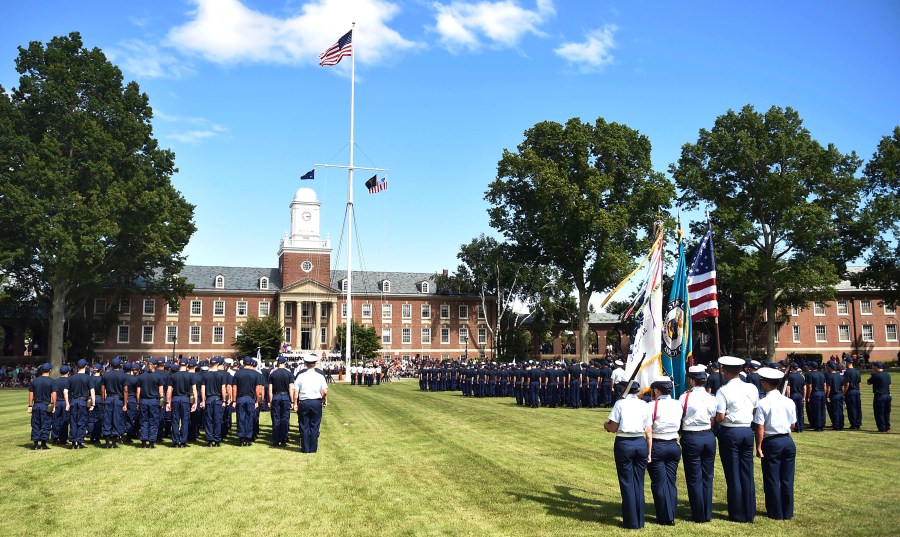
{"x":217,"y":360}
{"x":182,"y":361}
{"x":126,"y":366}
{"x":152,"y":361}
{"x":248,"y":360}
{"x":65,"y":369}
{"x":879,"y":365}
{"x":831,"y":364}
{"x":282,"y":359}
{"x":81,"y":363}
{"x":46,"y":367}
{"x":115,"y":362}
{"x":192,"y":363}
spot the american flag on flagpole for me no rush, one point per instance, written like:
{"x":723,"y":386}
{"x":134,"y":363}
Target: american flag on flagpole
{"x":343,"y":47}
{"x":376,"y":185}
{"x":701,"y":280}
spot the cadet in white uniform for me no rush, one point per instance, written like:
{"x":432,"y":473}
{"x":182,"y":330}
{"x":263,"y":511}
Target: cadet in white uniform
{"x":664,"y":457}
{"x":776,"y":416}
{"x":735,"y":403}
{"x":698,"y":443}
{"x":308,"y":395}
{"x":630,"y":419}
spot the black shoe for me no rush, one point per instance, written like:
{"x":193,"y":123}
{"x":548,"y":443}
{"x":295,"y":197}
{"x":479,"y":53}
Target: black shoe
{"x":73,"y":446}
{"x":80,"y":446}
{"x":36,"y":447}
{"x":152,"y":445}
{"x":44,"y":445}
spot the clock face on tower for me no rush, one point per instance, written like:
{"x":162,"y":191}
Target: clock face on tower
{"x":307,"y":215}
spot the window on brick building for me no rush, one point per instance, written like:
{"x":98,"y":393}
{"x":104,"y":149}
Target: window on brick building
{"x":218,"y":334}
{"x":843,"y":307}
{"x":821,"y":334}
{"x":264,"y":283}
{"x":147,"y":334}
{"x":344,"y":310}
{"x":890,"y":309}
{"x":242,"y":308}
{"x":195,"y":334}
{"x":426,"y":335}
{"x":196,"y":307}
{"x":123,"y":333}
{"x":463,"y":335}
{"x":386,"y":335}
{"x":425,"y":287}
{"x":868,"y":332}
{"x":406,"y":311}
{"x":445,"y":311}
{"x":366,"y":310}
{"x":219,"y":308}
{"x":149,"y":306}
{"x":288,"y":335}
{"x":463,"y":311}
{"x":171,"y":334}
{"x":482,"y":336}
{"x":795,"y":330}
{"x":406,"y":335}
{"x":386,"y":286}
{"x":387,"y":311}
{"x":125,"y":306}
{"x":171,"y":310}
{"x":426,"y":311}
{"x":818,"y":308}
{"x":795,"y":311}
{"x":844,"y":333}
{"x":99,"y":306}
{"x":865,"y":306}
{"x":890,"y":332}
{"x":263,"y":309}
{"x":445,"y":335}
{"x":220,"y":282}
{"x":480,"y":313}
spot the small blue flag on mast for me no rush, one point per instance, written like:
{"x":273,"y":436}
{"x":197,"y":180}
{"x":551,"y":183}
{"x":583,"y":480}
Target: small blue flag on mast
{"x":311,"y":174}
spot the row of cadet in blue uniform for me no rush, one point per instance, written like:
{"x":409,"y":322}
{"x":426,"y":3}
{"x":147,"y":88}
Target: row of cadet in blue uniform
{"x":129,"y":401}
{"x":815,"y":388}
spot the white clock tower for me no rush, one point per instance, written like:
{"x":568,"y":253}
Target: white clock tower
{"x":303,"y":252}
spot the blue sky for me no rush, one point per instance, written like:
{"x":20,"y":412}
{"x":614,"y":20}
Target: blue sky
{"x":444,"y":86}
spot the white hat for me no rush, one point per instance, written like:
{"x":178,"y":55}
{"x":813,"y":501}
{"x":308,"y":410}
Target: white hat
{"x":310,"y":358}
{"x":619,"y":363}
{"x":731,"y":360}
{"x":754,"y":363}
{"x":697,"y":369}
{"x":771,"y":373}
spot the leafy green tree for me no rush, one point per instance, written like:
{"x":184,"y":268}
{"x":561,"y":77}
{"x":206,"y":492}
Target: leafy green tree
{"x":366,"y":341}
{"x":785,"y":213}
{"x":264,"y":333}
{"x":579,"y":199}
{"x":86,"y":201}
{"x":883,"y":210}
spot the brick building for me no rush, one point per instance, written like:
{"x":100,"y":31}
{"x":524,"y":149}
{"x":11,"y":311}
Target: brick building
{"x":309,"y":298}
{"x":857,"y":322}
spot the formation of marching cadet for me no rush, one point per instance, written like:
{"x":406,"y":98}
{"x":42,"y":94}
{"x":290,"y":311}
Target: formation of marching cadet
{"x":370,"y":374}
{"x":148,"y":402}
{"x":740,"y":409}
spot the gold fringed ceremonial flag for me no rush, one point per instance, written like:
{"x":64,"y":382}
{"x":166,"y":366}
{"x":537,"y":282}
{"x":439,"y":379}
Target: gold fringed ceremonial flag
{"x":646,"y":340}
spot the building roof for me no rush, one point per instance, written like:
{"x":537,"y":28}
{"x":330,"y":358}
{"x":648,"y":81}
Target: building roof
{"x":845,"y":285}
{"x":236,"y":278}
{"x":402,"y":283}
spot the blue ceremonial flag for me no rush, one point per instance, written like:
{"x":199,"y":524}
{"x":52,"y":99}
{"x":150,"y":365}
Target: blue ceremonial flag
{"x":311,"y":174}
{"x":677,"y":334}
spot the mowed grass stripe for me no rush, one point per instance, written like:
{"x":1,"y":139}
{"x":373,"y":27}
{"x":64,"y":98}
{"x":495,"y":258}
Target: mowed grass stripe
{"x":397,"y":461}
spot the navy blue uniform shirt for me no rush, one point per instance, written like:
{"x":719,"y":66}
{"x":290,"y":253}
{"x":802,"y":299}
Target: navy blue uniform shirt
{"x":42,"y":388}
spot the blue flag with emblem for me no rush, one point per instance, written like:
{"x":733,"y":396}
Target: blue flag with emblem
{"x":311,"y":174}
{"x":677,"y":331}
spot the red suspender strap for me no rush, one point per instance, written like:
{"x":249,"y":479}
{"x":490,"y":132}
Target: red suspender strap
{"x":655,"y":404}
{"x":686,"y":397}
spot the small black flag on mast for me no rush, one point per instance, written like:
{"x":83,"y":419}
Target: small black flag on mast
{"x":375,"y":185}
{"x":311,"y":174}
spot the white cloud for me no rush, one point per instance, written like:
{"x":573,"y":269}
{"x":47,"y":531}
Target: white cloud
{"x":227,"y":31}
{"x":463,"y":25}
{"x":146,"y":60}
{"x":594,"y":53}
{"x":190,"y":129}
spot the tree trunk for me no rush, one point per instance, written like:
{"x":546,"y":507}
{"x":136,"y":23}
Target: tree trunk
{"x":57,"y":325}
{"x":584,"y":341}
{"x":771,"y":326}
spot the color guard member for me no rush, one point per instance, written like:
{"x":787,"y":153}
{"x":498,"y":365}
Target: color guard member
{"x":632,"y":422}
{"x":775,"y":416}
{"x":664,"y":457}
{"x":698,"y":443}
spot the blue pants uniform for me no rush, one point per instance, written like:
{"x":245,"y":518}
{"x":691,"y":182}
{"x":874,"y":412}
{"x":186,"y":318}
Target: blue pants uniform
{"x":149,"y":419}
{"x":575,"y":394}
{"x":181,"y":414}
{"x":78,"y":419}
{"x":226,"y":420}
{"x":95,"y":421}
{"x":606,"y":393}
{"x":214,"y":414}
{"x":817,"y":411}
{"x":854,"y":408}
{"x":836,"y":411}
{"x":310,"y":414}
{"x":779,"y":456}
{"x":245,"y":417}
{"x":798,"y":402}
{"x":535,"y":390}
{"x":663,"y":470}
{"x":133,"y":419}
{"x":281,"y":417}
{"x":113,"y":418}
{"x":593,"y":395}
{"x":61,"y":422}
{"x":631,"y":463}
{"x":736,"y":450}
{"x":41,"y":422}
{"x":881,"y":404}
{"x":698,"y":449}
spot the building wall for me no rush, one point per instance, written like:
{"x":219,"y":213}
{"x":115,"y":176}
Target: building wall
{"x":844,"y":325}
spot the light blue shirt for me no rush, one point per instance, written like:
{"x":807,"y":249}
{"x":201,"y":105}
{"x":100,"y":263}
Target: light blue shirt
{"x":309,"y":385}
{"x":737,"y":400}
{"x":776,"y":413}
{"x":633,"y":416}
{"x":699,"y":411}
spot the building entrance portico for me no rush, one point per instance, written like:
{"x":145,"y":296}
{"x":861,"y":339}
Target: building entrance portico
{"x":307,"y":310}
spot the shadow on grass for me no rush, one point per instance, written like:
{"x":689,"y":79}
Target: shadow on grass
{"x":569,"y":502}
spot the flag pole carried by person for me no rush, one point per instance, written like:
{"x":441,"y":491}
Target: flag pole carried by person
{"x":678,"y":333}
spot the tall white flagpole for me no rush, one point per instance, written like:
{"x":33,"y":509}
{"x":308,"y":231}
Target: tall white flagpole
{"x":349,"y":331}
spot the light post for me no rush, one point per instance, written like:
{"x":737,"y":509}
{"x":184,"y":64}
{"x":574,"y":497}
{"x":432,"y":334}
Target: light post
{"x":466,"y":339}
{"x":174,"y":340}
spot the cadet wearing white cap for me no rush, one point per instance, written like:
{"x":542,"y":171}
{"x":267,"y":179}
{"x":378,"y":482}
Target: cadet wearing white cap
{"x":618,"y":377}
{"x":736,"y":401}
{"x":775,"y":416}
{"x":698,"y":443}
{"x":632,"y":422}
{"x":664,"y":457}
{"x":309,"y":394}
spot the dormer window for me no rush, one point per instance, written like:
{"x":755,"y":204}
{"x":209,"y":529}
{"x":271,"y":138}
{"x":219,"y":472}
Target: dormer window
{"x":425,"y":287}
{"x":386,"y":286}
{"x":344,"y":285}
{"x":220,"y":282}
{"x":264,"y":283}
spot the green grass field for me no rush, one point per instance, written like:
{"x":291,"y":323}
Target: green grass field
{"x":396,"y":461}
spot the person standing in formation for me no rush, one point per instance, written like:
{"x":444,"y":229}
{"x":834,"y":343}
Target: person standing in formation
{"x":248,"y":386}
{"x":632,"y":423}
{"x":150,"y":395}
{"x":735,"y":403}
{"x":41,"y":403}
{"x":61,"y":415}
{"x":797,"y":391}
{"x":698,"y":443}
{"x":213,"y":399}
{"x":112,"y":388}
{"x":852,"y":382}
{"x":77,"y":394}
{"x":309,"y":395}
{"x":280,"y":402}
{"x":664,"y":457}
{"x":180,"y":393}
{"x":774,"y":418}
{"x":880,"y":381}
